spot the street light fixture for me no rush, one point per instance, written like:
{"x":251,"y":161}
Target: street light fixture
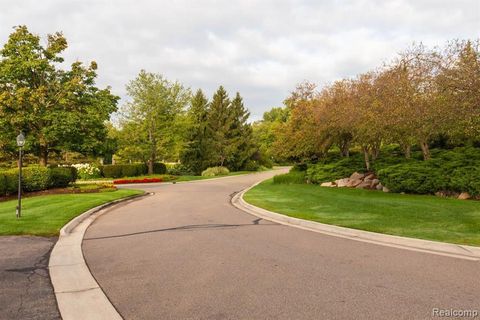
{"x":20,"y":144}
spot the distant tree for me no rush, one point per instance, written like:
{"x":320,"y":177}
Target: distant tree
{"x":196,"y":152}
{"x":58,"y":109}
{"x":151,"y":119}
{"x":241,"y":144}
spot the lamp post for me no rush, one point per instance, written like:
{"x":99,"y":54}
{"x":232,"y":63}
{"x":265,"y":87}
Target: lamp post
{"x":20,"y":144}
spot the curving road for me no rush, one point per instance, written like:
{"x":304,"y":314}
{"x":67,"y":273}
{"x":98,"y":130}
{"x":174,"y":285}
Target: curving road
{"x":187,"y":253}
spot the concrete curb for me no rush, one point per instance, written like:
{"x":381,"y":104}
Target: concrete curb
{"x":419,"y":245}
{"x":78,"y":294}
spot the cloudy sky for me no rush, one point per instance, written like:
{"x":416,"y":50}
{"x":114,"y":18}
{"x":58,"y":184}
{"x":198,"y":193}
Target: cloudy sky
{"x":260,"y":48}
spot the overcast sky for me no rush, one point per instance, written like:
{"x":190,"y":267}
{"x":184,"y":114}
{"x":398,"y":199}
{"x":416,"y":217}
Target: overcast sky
{"x":260,"y":48}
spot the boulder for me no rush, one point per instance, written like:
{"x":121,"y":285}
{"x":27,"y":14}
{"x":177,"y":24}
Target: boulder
{"x":464,"y":196}
{"x":379,"y":186}
{"x":366,"y":184}
{"x":370,"y":176}
{"x":353,"y":183}
{"x":328,"y":184}
{"x":342,"y":182}
{"x":356,"y":176}
{"x":385,"y":189}
{"x":375,"y":182}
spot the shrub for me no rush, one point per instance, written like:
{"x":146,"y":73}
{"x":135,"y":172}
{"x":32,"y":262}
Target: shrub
{"x":87,"y":171}
{"x":294,"y":177}
{"x":159,"y":168}
{"x":8,"y":183}
{"x":299,"y":167}
{"x":215,"y":171}
{"x":321,"y":172}
{"x":60,"y":177}
{"x":251,"y":165}
{"x":179,"y":169}
{"x":35,"y":178}
{"x":111,"y":171}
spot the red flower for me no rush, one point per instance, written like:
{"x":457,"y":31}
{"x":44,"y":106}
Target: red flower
{"x":145,"y":180}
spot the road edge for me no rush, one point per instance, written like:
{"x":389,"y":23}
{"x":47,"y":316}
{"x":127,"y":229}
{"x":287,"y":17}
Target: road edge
{"x":78,"y":294}
{"x":412,"y":244}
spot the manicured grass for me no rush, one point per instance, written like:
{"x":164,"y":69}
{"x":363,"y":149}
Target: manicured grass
{"x":46,"y":215}
{"x":424,"y":217}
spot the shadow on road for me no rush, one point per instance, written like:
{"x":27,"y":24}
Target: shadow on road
{"x":209,"y":226}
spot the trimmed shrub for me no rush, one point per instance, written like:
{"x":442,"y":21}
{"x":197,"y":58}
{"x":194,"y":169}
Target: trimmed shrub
{"x":123,"y":170}
{"x":111,"y":171}
{"x":293,"y":177}
{"x":215,"y":171}
{"x":61,"y":177}
{"x":8,"y":183}
{"x":179,"y":169}
{"x":159,"y":168}
{"x":35,"y":178}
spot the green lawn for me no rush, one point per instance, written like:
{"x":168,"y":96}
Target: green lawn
{"x":46,"y":215}
{"x":424,"y":217}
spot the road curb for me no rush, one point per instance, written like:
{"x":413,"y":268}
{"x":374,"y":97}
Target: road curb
{"x":78,"y":294}
{"x":419,"y":245}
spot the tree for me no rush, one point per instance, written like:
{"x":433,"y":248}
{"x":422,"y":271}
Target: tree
{"x":153,"y":117}
{"x":241,"y":144}
{"x":196,"y":152}
{"x":58,"y":109}
{"x":219,"y":121}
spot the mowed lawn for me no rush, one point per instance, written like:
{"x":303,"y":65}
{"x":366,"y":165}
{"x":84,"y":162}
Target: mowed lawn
{"x":417,"y":216}
{"x":46,"y":215}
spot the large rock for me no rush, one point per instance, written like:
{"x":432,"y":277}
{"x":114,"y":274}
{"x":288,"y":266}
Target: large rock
{"x":357,"y":176}
{"x":366,"y":184}
{"x":370,"y":176}
{"x":328,"y":184}
{"x":385,"y":189}
{"x":379,"y":186}
{"x":342,"y":182}
{"x":353,"y":182}
{"x":375,"y":183}
{"x":464,"y":196}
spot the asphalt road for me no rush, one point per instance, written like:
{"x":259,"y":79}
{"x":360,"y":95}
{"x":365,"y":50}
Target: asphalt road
{"x":25,"y":288}
{"x":187,"y":253}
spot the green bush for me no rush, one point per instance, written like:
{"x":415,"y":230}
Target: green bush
{"x":61,"y":177}
{"x":159,"y":168}
{"x":179,"y":169}
{"x":293,"y":177}
{"x":35,"y":178}
{"x":8,"y":183}
{"x":325,"y":172}
{"x":215,"y":171}
{"x":123,"y":170}
{"x":111,"y":171}
{"x":251,"y":165}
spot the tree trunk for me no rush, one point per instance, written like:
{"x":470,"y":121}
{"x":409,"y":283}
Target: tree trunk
{"x":345,"y":149}
{"x":43,"y":156}
{"x":407,"y":151}
{"x":153,"y":151}
{"x":150,"y":166}
{"x":366,"y":156}
{"x":425,"y":150}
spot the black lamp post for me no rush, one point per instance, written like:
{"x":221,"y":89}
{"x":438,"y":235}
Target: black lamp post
{"x":20,"y":144}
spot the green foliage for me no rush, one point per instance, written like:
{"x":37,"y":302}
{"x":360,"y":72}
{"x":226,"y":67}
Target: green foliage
{"x":251,"y":165}
{"x":215,"y":171}
{"x":293,"y":177}
{"x":35,"y":178}
{"x":8,"y":183}
{"x":159,"y":168}
{"x":61,"y":177}
{"x":179,"y":169}
{"x":58,"y":108}
{"x":324,"y":172}
{"x":125,"y":170}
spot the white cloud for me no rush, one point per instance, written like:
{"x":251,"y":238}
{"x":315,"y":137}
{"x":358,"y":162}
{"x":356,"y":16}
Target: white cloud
{"x":260,"y":48}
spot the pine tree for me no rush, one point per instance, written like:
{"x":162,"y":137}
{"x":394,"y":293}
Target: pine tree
{"x":239,"y":135}
{"x":219,"y":122}
{"x":196,"y":152}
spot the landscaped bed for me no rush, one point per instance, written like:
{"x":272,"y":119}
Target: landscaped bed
{"x":46,"y":215}
{"x":417,"y":216}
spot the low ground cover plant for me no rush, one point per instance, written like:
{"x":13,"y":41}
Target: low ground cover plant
{"x":215,"y":171}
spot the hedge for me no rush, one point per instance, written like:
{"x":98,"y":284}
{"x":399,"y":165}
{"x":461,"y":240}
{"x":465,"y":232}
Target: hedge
{"x":61,"y":177}
{"x":8,"y":183}
{"x":123,"y":170}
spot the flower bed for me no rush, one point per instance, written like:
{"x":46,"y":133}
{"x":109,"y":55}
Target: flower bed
{"x":145,"y":180}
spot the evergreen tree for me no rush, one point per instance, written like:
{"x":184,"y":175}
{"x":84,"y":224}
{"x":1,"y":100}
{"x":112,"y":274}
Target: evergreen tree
{"x":195,"y":155}
{"x":219,"y":122}
{"x":241,"y":145}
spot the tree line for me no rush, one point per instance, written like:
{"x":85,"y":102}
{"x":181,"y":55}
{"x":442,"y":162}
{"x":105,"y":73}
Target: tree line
{"x":420,"y":97}
{"x":61,"y":111}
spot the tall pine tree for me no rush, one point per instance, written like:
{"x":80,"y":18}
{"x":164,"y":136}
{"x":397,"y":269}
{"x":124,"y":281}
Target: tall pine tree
{"x":196,"y":152}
